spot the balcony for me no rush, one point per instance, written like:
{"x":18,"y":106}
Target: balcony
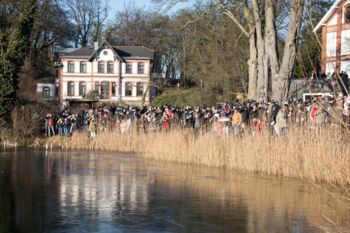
{"x":96,"y":96}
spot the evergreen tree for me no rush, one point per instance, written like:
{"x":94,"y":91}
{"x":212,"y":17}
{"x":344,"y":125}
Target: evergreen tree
{"x":14,"y":45}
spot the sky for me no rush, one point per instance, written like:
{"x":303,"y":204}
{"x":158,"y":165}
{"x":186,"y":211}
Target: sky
{"x":119,"y":5}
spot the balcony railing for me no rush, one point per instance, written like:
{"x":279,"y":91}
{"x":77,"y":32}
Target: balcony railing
{"x":96,"y":96}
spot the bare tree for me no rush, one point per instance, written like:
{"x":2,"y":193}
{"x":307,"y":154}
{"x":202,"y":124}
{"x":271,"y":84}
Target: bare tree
{"x":88,"y":17}
{"x":257,"y":20}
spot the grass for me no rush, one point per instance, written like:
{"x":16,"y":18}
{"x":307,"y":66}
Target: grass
{"x":320,"y":156}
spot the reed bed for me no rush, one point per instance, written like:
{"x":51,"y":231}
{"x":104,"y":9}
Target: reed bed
{"x":321,"y":156}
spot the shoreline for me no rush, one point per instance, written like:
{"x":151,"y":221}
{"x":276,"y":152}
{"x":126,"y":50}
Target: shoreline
{"x":318,"y":156}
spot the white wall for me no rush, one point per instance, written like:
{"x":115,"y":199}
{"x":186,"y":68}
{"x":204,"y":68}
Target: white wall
{"x":330,"y":67}
{"x":345,"y":42}
{"x":106,"y":55}
{"x":345,"y":66}
{"x":333,"y":20}
{"x":331,"y":44}
{"x":40,"y":86}
{"x":135,"y":67}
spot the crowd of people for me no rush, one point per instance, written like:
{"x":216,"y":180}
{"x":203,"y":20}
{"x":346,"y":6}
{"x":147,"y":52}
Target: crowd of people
{"x":224,"y":119}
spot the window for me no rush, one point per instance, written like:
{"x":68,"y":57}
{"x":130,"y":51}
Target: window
{"x":82,"y":67}
{"x":128,"y":89}
{"x":114,"y":89}
{"x":46,"y":91}
{"x":97,"y":87}
{"x":70,"y":88}
{"x":128,"y":68}
{"x":140,"y":68}
{"x":345,"y":42}
{"x":101,"y":67}
{"x":139,"y":89}
{"x":331,"y":43}
{"x":347,"y":14}
{"x":105,"y":90}
{"x":82,"y":88}
{"x":110,"y":67}
{"x":70,"y":66}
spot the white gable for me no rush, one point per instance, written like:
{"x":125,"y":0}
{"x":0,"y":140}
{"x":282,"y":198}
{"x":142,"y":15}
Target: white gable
{"x":328,"y":15}
{"x":105,"y":55}
{"x":333,"y":21}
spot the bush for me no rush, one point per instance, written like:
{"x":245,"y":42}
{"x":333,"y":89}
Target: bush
{"x":188,"y":97}
{"x":28,"y":120}
{"x":4,"y":133}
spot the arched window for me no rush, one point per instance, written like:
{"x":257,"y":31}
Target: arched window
{"x":140,"y":68}
{"x":105,"y":90}
{"x":128,"y":89}
{"x":139,"y":89}
{"x":46,"y":91}
{"x":82,"y":88}
{"x":70,"y":88}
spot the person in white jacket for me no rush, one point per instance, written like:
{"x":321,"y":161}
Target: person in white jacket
{"x":281,"y":121}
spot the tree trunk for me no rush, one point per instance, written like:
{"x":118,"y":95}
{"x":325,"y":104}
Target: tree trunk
{"x":280,"y":81}
{"x":260,"y":42}
{"x":272,"y":60}
{"x":252,"y":64}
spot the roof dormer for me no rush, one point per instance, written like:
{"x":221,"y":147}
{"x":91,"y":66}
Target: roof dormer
{"x":105,"y":52}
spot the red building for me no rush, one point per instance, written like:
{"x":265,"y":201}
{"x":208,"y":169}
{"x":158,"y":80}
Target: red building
{"x":335,"y":28}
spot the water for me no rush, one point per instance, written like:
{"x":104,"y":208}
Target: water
{"x":109,"y":192}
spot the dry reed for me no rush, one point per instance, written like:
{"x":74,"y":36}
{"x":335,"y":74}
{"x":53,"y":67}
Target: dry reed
{"x":321,"y":156}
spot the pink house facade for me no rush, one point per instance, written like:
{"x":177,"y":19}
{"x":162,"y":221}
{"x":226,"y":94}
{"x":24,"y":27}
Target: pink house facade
{"x":107,"y":74}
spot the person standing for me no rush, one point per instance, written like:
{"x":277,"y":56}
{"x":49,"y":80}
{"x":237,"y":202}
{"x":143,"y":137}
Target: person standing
{"x":92,"y":127}
{"x":50,"y":127}
{"x":281,"y":121}
{"x":346,"y":111}
{"x":236,"y":122}
{"x":165,"y":120}
{"x":60,"y":126}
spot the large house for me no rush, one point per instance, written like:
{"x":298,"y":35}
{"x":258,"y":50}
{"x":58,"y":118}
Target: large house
{"x":110,"y":74}
{"x":335,"y":28}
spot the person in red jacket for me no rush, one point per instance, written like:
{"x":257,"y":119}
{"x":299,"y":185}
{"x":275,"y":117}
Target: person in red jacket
{"x":166,"y":119}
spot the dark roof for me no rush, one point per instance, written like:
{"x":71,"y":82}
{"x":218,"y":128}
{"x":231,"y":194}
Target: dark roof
{"x":82,"y":52}
{"x":46,"y":80}
{"x":135,"y":52}
{"x":125,"y":52}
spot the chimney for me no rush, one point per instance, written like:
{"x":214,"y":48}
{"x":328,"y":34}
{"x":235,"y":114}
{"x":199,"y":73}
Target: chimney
{"x":95,"y":45}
